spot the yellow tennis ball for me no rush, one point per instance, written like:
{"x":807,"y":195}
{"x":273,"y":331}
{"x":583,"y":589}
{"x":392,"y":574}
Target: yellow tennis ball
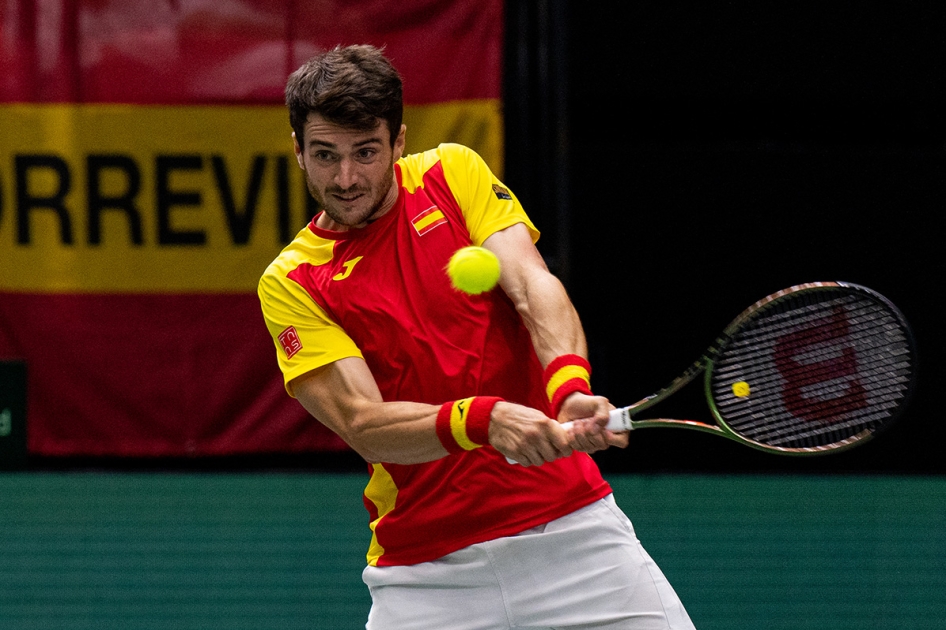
{"x":473,"y":269}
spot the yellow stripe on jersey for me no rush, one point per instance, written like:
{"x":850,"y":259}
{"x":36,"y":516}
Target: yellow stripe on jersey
{"x":286,"y":304}
{"x":415,"y":166}
{"x":488,"y":206}
{"x":382,"y":492}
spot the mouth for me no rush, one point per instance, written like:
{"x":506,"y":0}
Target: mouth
{"x":348,"y":197}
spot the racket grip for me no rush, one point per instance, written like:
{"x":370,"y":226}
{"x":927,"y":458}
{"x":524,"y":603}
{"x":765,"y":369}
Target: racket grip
{"x":618,"y":420}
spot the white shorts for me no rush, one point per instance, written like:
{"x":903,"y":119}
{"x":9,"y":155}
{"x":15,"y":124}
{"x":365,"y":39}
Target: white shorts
{"x":586,"y":570}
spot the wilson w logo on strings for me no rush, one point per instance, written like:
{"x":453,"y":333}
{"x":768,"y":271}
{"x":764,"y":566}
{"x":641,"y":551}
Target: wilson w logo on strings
{"x":819,"y":365}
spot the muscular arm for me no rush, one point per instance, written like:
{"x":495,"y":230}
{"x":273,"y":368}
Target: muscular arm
{"x":344,"y":396}
{"x":538,"y":296}
{"x":555,"y":328}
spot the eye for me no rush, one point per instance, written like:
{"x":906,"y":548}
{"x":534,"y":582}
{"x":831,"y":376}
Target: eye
{"x":323,"y":156}
{"x":366,"y":154}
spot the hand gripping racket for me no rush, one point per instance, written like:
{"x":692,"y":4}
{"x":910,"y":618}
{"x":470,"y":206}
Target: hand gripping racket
{"x":815,"y":368}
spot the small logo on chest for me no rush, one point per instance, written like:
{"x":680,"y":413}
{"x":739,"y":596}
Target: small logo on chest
{"x":428,"y":220}
{"x":348,"y":265}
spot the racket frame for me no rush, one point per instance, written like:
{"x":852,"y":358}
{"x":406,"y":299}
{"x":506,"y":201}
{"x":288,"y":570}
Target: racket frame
{"x":622,"y":419}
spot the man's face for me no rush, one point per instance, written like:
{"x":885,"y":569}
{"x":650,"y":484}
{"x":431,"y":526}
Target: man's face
{"x":349,"y":172}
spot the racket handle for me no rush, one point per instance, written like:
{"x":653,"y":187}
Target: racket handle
{"x":618,"y":420}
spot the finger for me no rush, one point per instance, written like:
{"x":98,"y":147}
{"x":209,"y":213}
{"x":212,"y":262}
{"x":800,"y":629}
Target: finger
{"x":587,"y":429}
{"x":589,"y":441}
{"x":620,"y":440}
{"x":553,"y":445}
{"x":549,"y":451}
{"x":537,"y":458}
{"x":578,"y":434}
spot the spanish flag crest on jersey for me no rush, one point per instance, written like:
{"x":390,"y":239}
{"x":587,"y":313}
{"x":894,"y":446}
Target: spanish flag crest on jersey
{"x":428,"y":219}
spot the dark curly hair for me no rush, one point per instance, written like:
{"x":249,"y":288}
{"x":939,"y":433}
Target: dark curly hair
{"x":351,"y":86}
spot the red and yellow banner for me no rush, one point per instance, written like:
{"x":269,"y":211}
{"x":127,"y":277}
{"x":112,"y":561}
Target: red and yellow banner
{"x":147,"y":179}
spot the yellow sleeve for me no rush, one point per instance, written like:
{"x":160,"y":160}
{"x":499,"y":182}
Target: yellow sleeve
{"x":488,"y":206}
{"x":304,"y":335}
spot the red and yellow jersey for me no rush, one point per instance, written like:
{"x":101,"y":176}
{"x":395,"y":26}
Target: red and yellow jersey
{"x":381,"y":292}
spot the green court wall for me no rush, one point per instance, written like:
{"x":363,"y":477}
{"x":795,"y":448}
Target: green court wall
{"x":107,"y":550}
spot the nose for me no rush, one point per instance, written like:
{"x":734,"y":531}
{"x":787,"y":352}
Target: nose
{"x":347,"y":175}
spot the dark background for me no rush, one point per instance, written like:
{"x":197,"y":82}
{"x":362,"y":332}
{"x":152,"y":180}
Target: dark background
{"x":686,"y":161}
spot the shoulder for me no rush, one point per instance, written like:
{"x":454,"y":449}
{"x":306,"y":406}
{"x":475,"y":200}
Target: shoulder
{"x":450,"y":157}
{"x":306,"y":248}
{"x":460,"y":156}
{"x":445,"y":150}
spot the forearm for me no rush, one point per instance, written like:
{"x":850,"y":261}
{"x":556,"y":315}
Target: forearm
{"x":393,"y":432}
{"x":557,"y":336}
{"x":550,"y":318}
{"x":538,"y":295}
{"x":344,"y":397}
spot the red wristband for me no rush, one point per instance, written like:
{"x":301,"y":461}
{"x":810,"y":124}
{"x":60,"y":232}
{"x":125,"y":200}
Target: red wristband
{"x":565,"y":375}
{"x":463,"y":425}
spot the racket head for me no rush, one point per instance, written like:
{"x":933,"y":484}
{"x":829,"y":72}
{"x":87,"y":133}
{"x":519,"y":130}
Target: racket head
{"x":812,"y":369}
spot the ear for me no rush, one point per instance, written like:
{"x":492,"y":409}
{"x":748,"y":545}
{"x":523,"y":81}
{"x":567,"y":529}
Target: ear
{"x":297,"y":150}
{"x":399,"y":143}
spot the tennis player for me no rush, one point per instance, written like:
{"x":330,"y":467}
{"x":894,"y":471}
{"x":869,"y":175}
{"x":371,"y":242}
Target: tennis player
{"x":436,"y":388}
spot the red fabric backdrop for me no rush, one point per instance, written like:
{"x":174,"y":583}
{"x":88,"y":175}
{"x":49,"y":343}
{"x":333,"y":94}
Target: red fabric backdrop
{"x":148,"y":371}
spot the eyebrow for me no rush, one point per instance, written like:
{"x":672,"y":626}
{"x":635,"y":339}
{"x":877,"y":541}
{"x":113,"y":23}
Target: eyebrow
{"x":332,"y":145}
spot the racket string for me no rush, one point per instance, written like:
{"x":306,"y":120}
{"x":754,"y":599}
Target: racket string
{"x":822,"y":368}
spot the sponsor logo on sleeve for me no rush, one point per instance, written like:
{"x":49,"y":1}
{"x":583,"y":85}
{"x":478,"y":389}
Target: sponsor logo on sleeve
{"x":290,"y":342}
{"x":501,"y":193}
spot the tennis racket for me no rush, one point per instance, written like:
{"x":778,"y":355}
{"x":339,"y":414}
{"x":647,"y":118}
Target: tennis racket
{"x":813,"y":369}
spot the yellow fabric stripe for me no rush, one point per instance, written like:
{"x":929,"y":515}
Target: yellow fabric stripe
{"x":458,"y":424}
{"x":202,"y":237}
{"x":430,"y":218}
{"x":228,"y":255}
{"x":564,"y":375}
{"x":382,"y":491}
{"x":277,"y":294}
{"x":484,"y":214}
